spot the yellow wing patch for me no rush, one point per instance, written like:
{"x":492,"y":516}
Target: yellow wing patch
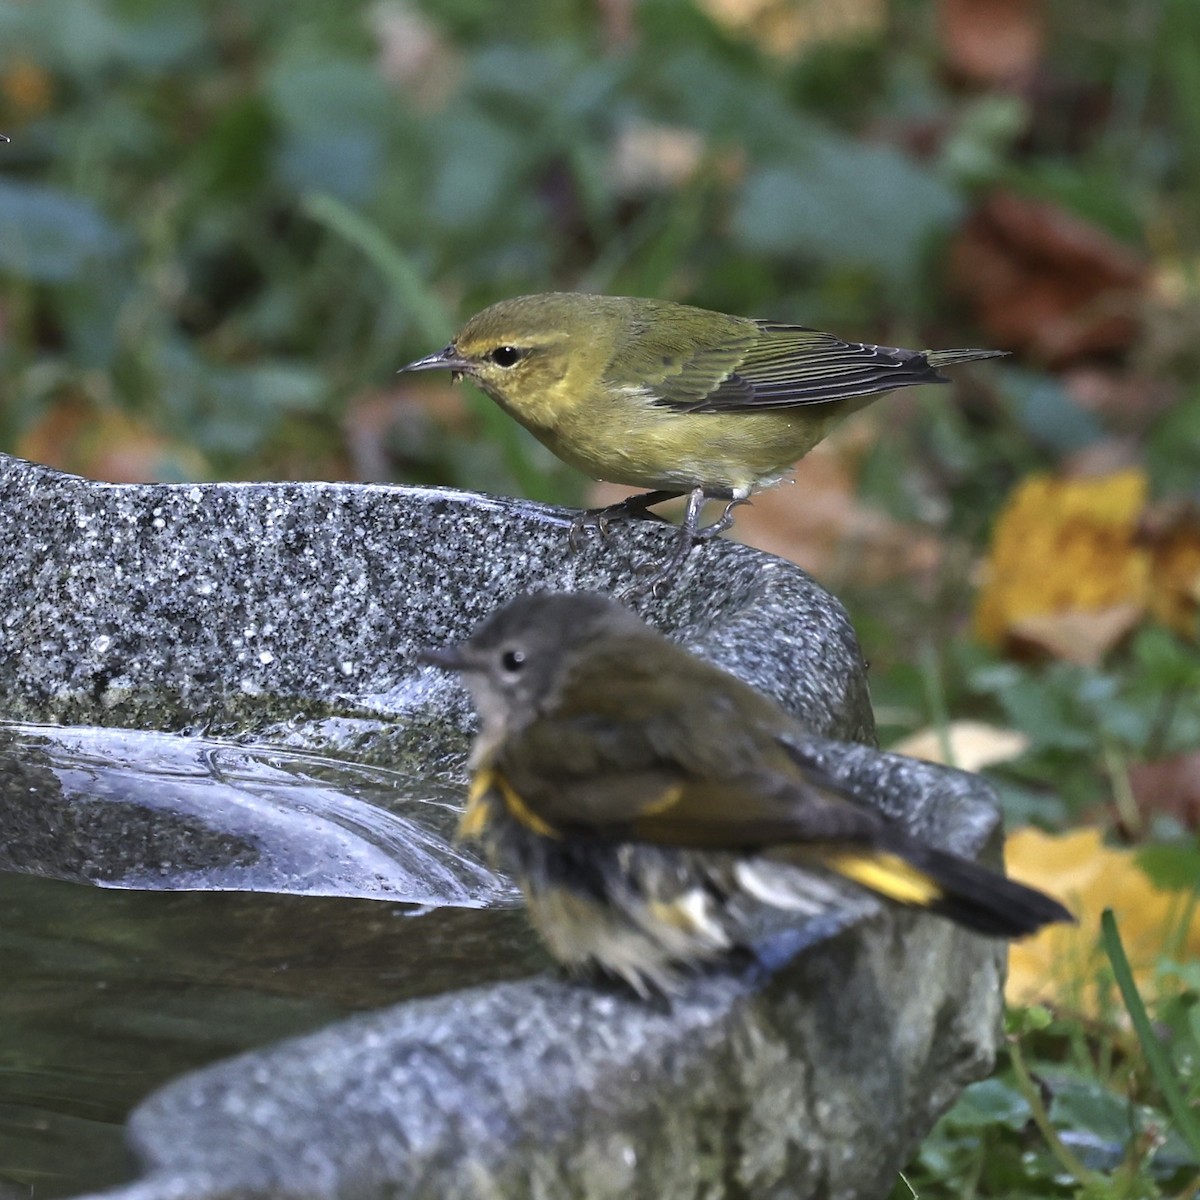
{"x":670,"y":797}
{"x":887,"y":874}
{"x":476,"y":815}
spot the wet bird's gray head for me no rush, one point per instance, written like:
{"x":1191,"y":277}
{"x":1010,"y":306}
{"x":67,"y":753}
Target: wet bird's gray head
{"x":516,"y":662}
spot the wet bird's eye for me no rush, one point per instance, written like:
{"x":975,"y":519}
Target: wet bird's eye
{"x":512,"y":660}
{"x":506,"y":356}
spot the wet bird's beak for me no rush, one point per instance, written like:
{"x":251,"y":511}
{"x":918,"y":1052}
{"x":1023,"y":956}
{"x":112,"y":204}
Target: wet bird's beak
{"x":444,"y":360}
{"x":449,"y":658}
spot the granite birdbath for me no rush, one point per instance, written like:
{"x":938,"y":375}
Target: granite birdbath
{"x":242,"y":955}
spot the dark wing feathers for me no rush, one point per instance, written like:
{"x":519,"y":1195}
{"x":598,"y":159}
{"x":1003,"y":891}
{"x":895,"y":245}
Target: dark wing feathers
{"x":682,"y":758}
{"x":789,"y":365}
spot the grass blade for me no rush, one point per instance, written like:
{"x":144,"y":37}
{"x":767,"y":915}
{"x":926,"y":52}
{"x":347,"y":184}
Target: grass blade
{"x":1160,"y":1068}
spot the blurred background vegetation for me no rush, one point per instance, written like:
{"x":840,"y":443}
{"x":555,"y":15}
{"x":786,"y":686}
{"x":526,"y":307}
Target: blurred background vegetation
{"x":225,"y":223}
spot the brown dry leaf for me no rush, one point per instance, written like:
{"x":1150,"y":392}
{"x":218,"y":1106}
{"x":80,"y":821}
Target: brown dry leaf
{"x":973,"y":745}
{"x":1108,"y":456}
{"x":1060,"y":964}
{"x":1078,"y":637}
{"x":650,"y":157}
{"x":1171,"y":533}
{"x":1170,"y":786}
{"x":414,"y":53}
{"x":787,"y":28}
{"x":617,"y":22}
{"x":1063,"y":547}
{"x":992,"y":43}
{"x":375,"y":420}
{"x":1043,"y":280}
{"x":819,"y":522}
{"x":107,"y":444}
{"x":1124,"y":400}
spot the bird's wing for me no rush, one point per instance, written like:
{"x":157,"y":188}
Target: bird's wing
{"x":683,"y":756}
{"x":664,"y":805}
{"x":765,"y":365}
{"x":679,"y":366}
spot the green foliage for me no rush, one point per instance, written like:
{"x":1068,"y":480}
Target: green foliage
{"x":1070,"y":1113}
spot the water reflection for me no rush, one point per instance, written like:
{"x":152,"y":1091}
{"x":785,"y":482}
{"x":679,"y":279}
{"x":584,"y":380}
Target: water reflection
{"x":107,"y":992}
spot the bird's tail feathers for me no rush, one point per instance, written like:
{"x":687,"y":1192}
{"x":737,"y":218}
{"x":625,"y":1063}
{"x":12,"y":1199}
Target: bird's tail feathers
{"x":951,"y":358}
{"x":913,"y":874}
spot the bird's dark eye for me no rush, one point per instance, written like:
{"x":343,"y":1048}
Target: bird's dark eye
{"x":512,"y":660}
{"x":506,"y":356}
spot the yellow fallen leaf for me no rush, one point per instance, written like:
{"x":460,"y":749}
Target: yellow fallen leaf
{"x":788,"y":28}
{"x":1065,"y":546}
{"x":1062,"y":962}
{"x":1171,"y":532}
{"x":973,"y":745}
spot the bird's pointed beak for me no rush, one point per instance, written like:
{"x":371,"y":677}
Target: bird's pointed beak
{"x":449,"y":658}
{"x":444,"y":360}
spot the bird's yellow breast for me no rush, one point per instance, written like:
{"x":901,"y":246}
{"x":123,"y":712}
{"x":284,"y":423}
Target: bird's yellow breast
{"x":629,"y":439}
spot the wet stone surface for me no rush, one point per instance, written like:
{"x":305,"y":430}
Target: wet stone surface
{"x":215,"y":687}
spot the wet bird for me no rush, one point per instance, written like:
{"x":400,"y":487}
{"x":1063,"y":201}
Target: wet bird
{"x":648,"y":802}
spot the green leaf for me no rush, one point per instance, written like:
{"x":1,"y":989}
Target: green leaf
{"x":1047,"y":413}
{"x":1086,"y":1105}
{"x":847,"y":202}
{"x":987,"y":1103}
{"x":1165,"y":661}
{"x":334,"y":114}
{"x":477,"y":161}
{"x":1171,"y":865}
{"x":51,"y":235}
{"x":328,"y":95}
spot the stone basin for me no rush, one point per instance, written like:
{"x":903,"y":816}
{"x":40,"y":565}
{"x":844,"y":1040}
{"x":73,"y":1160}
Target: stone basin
{"x":212,"y":701}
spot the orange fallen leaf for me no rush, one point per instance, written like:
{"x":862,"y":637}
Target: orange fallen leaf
{"x":1061,"y":964}
{"x":105,"y":443}
{"x":1064,"y":547}
{"x":27,"y":88}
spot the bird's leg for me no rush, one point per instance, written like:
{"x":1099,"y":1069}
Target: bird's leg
{"x":631,"y":508}
{"x":658,"y":582}
{"x":724,"y":521}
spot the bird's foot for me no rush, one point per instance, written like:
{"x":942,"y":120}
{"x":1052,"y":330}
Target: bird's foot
{"x":656,"y":580}
{"x":658,"y":583}
{"x":722,"y":523}
{"x":632,"y":508}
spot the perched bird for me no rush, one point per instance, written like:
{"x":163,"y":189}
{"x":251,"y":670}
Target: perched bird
{"x":647,"y":801}
{"x":677,"y":399}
